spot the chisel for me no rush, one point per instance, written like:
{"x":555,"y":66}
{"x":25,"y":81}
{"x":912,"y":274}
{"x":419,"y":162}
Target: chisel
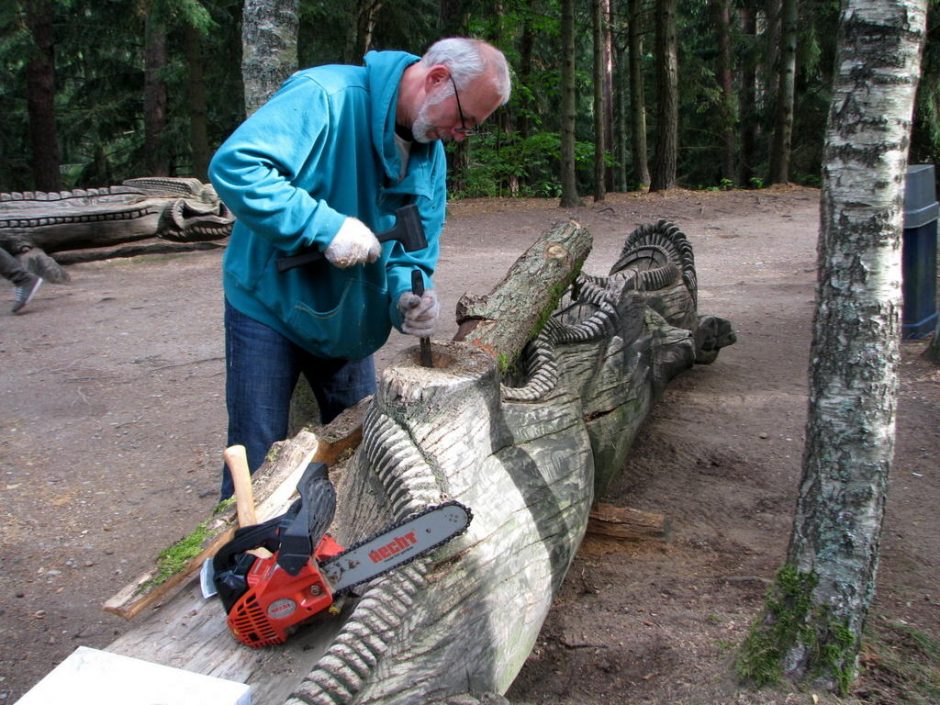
{"x":417,"y":288}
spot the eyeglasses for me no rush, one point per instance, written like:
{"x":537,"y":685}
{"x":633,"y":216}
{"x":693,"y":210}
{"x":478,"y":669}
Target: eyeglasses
{"x":463,"y":129}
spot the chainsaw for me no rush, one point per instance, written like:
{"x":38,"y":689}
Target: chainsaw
{"x":303,"y":570}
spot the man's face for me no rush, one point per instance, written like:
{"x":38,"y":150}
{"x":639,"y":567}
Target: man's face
{"x":446,"y":115}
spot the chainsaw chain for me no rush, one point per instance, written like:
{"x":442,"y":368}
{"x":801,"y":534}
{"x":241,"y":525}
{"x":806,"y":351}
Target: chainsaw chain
{"x":389,"y":529}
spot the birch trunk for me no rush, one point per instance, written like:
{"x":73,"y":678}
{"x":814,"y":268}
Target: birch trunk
{"x":826,"y":588}
{"x":269,"y":48}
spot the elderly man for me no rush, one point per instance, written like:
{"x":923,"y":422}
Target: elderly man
{"x":323,"y":165}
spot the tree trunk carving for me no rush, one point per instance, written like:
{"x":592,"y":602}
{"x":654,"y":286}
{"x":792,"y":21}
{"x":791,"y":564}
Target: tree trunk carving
{"x":526,"y":450}
{"x":155,"y":214}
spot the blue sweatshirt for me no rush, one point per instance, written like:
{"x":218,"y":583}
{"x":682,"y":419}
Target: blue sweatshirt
{"x":323,"y":148}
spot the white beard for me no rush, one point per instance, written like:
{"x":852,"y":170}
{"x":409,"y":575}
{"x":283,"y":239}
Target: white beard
{"x":422,"y":124}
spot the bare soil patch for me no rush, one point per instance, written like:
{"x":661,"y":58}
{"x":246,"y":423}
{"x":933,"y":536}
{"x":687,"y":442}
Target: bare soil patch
{"x":112,"y":424}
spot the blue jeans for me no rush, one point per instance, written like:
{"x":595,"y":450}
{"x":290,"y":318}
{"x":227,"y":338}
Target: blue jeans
{"x":261,"y":369}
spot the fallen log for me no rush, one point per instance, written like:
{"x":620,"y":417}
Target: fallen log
{"x":526,"y":449}
{"x":625,"y":522}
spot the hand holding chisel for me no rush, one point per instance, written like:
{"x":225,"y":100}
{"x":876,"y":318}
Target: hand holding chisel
{"x":420,"y":312}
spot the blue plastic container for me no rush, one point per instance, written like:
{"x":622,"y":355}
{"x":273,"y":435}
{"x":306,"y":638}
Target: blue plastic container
{"x":919,"y":253}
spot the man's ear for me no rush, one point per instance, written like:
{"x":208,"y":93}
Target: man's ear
{"x":435,"y":76}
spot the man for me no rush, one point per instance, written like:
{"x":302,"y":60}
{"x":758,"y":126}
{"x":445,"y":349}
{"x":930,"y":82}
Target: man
{"x":25,"y":282}
{"x":325,"y":164}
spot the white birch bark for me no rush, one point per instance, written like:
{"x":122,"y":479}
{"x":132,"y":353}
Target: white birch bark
{"x":854,"y":360}
{"x":269,"y":47}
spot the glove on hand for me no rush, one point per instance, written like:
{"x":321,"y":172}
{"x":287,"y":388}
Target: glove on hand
{"x":354,"y":244}
{"x":420,"y":313}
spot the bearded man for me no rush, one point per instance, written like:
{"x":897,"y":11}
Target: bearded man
{"x":323,"y":166}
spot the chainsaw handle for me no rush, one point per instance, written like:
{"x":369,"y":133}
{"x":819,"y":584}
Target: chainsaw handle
{"x":301,"y":536}
{"x":236,"y":458}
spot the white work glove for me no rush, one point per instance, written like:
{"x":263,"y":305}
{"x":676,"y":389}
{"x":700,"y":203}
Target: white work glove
{"x":354,"y":244}
{"x":419,"y":312}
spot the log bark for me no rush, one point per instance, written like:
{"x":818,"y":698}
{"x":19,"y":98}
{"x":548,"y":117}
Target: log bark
{"x":503,"y":321}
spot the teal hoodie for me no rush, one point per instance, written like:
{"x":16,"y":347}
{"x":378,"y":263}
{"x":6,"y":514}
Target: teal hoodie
{"x":323,"y":148}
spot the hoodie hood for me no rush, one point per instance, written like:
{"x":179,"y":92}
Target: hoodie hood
{"x":385,"y":72}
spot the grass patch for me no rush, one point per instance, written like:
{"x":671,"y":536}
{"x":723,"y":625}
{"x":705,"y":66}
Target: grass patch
{"x":173,"y":559}
{"x":900,"y":665}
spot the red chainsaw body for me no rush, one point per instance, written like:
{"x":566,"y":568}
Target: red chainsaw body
{"x":277,"y":601}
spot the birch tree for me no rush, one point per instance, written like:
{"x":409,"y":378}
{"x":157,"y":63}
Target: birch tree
{"x":813,"y":617}
{"x":269,"y":47}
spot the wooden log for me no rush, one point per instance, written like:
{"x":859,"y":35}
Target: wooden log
{"x":503,"y":321}
{"x":182,"y":210}
{"x":625,"y":522}
{"x":527,"y":452}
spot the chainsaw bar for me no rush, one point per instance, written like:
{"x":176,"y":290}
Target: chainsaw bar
{"x":396,"y":545}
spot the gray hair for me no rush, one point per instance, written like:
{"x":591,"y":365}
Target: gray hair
{"x":469,"y":58}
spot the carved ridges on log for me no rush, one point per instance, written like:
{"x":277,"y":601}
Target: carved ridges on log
{"x":540,"y":361}
{"x":356,"y":651}
{"x":18,"y":197}
{"x":215,"y":220}
{"x":661,"y":244}
{"x":133,"y":212}
{"x":173,"y":186}
{"x":674,"y":248}
{"x":379,"y":617}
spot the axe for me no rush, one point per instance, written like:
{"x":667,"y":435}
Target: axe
{"x":408,"y":231}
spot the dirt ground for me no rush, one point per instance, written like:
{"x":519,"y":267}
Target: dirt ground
{"x":113,"y":423}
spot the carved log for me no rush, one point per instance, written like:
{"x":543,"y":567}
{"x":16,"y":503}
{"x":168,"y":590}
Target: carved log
{"x":503,"y":321}
{"x":526,"y":451}
{"x":34,"y":224}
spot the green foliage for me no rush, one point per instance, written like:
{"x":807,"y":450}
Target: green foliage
{"x":99,"y":85}
{"x":504,"y":165}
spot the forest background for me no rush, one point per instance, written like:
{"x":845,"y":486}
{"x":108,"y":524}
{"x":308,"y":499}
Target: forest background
{"x":710,"y":94}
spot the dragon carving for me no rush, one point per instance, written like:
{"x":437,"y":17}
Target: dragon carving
{"x":154,"y":213}
{"x":527,"y":448}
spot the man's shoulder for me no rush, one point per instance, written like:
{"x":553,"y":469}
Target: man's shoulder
{"x":333,"y":78}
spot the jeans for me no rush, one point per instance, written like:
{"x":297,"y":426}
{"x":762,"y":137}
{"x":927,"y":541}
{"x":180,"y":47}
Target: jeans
{"x":11,"y":269}
{"x":262,"y":367}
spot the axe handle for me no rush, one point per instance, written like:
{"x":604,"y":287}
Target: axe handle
{"x":237,"y":461}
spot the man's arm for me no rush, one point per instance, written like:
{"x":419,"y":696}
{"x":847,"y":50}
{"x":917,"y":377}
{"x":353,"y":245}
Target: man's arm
{"x":254,"y":170}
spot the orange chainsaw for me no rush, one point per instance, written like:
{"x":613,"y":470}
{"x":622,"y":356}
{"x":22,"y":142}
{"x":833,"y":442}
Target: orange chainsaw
{"x":267,"y":598}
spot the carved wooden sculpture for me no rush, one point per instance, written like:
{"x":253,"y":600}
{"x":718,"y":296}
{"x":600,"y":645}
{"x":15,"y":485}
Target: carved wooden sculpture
{"x":177,"y":212}
{"x":524,"y":429}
